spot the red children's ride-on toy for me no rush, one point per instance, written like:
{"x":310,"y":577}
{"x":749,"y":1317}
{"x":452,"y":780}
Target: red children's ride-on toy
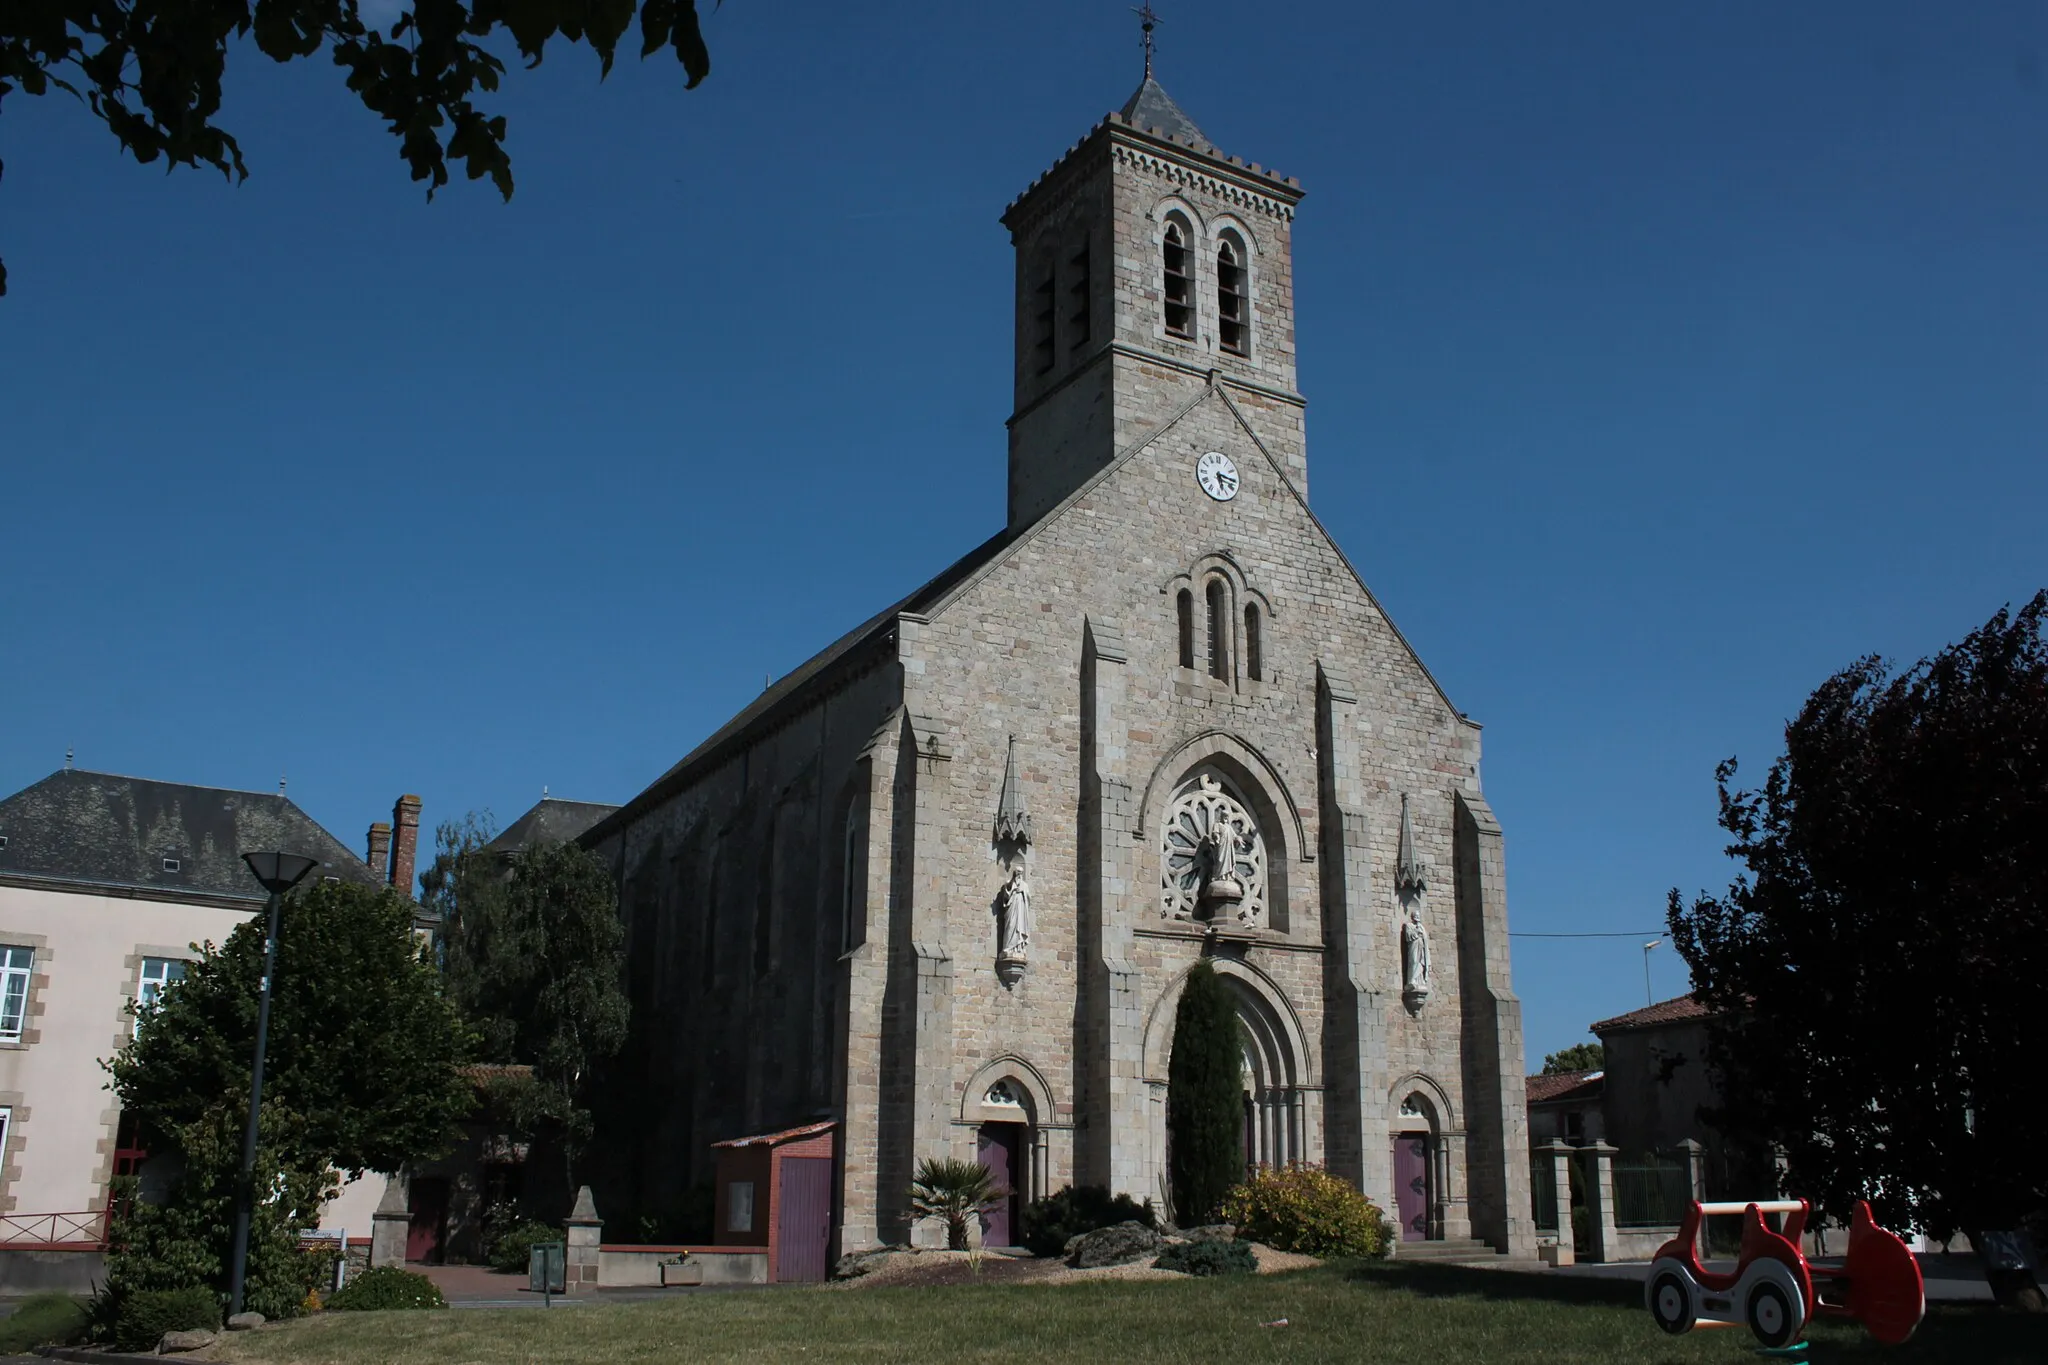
{"x":1774,"y":1291}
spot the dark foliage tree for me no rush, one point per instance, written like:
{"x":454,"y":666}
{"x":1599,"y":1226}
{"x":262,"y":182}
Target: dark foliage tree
{"x":1204,"y":1098}
{"x":151,"y":70}
{"x":1577,"y":1057}
{"x":1880,"y":965}
{"x":534,"y":956}
{"x":363,"y":1044}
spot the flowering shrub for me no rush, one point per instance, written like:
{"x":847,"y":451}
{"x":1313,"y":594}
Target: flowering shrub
{"x":1306,"y":1209}
{"x":385,"y":1287}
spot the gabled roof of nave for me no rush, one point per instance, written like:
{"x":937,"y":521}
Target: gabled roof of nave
{"x":102,"y":829}
{"x":954,"y":583}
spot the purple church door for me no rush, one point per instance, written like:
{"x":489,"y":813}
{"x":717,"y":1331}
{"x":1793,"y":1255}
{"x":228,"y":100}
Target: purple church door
{"x":997,"y":1150}
{"x":1411,"y":1185}
{"x":803,"y":1224}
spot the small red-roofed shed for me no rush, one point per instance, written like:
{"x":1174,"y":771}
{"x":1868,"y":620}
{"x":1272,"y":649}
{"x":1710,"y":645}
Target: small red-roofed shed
{"x":775,"y":1190}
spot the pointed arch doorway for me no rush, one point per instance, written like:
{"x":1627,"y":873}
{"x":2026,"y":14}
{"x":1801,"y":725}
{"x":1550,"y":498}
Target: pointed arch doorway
{"x":1418,"y":1161}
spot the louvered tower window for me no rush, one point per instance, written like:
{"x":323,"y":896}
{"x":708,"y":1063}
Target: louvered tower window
{"x":1233,"y":308}
{"x":1078,"y":299}
{"x":1042,"y":312}
{"x":1180,"y":294}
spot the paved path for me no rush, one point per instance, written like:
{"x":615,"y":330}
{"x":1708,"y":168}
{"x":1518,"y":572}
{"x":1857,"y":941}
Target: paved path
{"x":472,"y":1286}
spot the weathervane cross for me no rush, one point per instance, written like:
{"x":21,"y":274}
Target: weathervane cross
{"x":1148,"y":21}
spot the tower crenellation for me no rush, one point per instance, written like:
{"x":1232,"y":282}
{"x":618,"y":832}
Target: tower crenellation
{"x":1149,"y":266}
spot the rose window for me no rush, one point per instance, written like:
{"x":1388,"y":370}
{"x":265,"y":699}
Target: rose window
{"x":1214,"y":861}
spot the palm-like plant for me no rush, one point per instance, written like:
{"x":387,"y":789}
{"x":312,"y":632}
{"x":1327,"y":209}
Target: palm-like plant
{"x":955,"y":1191}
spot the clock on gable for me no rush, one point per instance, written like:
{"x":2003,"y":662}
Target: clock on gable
{"x":1217,"y":474}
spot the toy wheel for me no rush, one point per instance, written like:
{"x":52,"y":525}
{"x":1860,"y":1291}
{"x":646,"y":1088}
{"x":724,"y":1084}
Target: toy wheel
{"x":1671,"y":1304}
{"x":1770,"y":1315}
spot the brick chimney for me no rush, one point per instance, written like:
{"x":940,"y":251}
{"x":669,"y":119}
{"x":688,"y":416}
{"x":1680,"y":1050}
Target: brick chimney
{"x":405,"y":819}
{"x":379,"y":856}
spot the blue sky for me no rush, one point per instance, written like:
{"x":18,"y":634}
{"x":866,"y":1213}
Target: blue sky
{"x":1661,"y":360}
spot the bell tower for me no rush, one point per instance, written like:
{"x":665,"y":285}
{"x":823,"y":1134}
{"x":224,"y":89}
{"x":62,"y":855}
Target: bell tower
{"x":1149,"y":266}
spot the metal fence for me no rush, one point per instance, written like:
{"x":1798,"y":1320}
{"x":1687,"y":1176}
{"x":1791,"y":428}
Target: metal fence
{"x":1651,"y":1191}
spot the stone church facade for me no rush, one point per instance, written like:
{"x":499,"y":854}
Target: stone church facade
{"x":941,"y":884}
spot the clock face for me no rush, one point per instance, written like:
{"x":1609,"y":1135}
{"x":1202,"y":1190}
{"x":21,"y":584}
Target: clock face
{"x":1217,"y":475}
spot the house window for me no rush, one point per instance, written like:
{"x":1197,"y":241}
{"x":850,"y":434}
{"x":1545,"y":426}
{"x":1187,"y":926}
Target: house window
{"x":1219,"y":632}
{"x":1042,"y":310}
{"x":1233,"y":309}
{"x":1254,"y":662}
{"x":739,"y":1206}
{"x":16,"y":964}
{"x":157,"y":973}
{"x":172,"y":864}
{"x":6,"y":1123}
{"x":1180,"y":310}
{"x":1187,"y":628}
{"x":1078,"y":299}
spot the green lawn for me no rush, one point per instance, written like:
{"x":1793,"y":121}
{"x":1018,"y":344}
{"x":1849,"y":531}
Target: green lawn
{"x":1376,"y":1313}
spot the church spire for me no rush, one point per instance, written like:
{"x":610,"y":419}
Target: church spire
{"x":1147,"y":21}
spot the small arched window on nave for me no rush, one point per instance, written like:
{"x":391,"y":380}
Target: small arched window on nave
{"x":1219,"y":631}
{"x":1254,"y":647}
{"x":1233,"y":299}
{"x":1186,"y":606}
{"x":1177,"y":282}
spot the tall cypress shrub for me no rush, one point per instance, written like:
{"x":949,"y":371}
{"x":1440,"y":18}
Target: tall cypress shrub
{"x":1204,"y":1098}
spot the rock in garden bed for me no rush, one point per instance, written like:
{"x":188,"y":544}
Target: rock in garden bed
{"x":1119,"y":1245}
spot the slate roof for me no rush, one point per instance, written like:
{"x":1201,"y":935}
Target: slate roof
{"x":552,"y":821}
{"x":794,"y":687}
{"x":1565,"y":1086}
{"x":104,"y":831}
{"x":1152,"y":108}
{"x":1650,"y":1016}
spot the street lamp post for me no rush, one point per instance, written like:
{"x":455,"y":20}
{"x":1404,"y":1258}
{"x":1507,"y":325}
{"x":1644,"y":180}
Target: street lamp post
{"x":1649,"y":997}
{"x":279,"y":873}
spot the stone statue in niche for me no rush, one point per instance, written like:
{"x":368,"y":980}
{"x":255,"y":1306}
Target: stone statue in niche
{"x":1410,"y":882}
{"x":1011,"y":846}
{"x":1013,"y":917}
{"x":1218,"y":855}
{"x":1414,"y":955}
{"x":1213,"y":858}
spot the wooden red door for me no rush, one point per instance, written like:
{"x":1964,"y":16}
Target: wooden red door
{"x":1411,"y":1185}
{"x":427,"y":1201}
{"x":803,"y":1220}
{"x":997,"y":1148}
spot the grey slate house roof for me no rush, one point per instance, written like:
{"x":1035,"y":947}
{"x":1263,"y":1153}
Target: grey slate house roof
{"x":553,"y":821}
{"x":130,"y":836}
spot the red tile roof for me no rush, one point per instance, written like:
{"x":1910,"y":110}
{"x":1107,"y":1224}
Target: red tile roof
{"x":777,"y":1139}
{"x":1565,"y":1085}
{"x":479,"y":1072}
{"x":1663,"y":1012}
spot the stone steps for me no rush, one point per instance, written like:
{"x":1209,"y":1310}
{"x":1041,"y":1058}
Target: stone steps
{"x":1463,"y":1251}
